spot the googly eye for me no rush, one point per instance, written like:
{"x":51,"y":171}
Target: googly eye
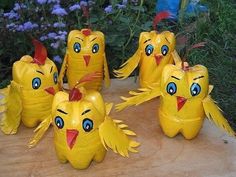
{"x":36,"y":82}
{"x":195,"y":89}
{"x":77,"y":47}
{"x":87,"y":125}
{"x":171,"y":88}
{"x":95,"y":48}
{"x":55,"y":77}
{"x":164,"y":50}
{"x":59,"y":122}
{"x":149,"y":49}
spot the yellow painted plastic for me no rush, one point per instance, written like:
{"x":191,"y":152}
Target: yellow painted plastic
{"x":75,"y":64}
{"x":3,"y":99}
{"x":185,"y":101}
{"x":150,"y":67}
{"x":79,"y":142}
{"x":23,"y":103}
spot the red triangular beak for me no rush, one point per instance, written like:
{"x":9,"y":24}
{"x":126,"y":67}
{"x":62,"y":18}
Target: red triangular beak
{"x":86,"y":59}
{"x":158,"y":59}
{"x":50,"y":90}
{"x":71,"y":136}
{"x":180,"y":102}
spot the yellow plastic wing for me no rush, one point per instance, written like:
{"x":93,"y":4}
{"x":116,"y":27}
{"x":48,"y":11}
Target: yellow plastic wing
{"x":40,"y":131}
{"x":176,"y":57}
{"x":114,"y":134}
{"x":214,"y":114}
{"x":3,"y":99}
{"x":108,"y":108}
{"x":11,"y":118}
{"x":140,"y":97}
{"x":128,"y":67}
{"x":106,"y":72}
{"x":63,"y":71}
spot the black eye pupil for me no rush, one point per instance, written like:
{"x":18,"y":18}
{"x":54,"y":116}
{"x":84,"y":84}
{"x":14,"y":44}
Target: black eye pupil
{"x":77,"y":47}
{"x":171,"y":88}
{"x":164,"y":50}
{"x":36,"y":82}
{"x":149,"y":49}
{"x":195,"y":89}
{"x":59,"y":122}
{"x":87,"y":125}
{"x":55,"y":75}
{"x":95,"y":48}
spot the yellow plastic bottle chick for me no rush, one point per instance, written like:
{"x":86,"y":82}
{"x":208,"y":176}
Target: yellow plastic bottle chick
{"x":85,"y":54}
{"x":29,"y":96}
{"x":185,"y":100}
{"x":83,"y":129}
{"x":154,"y":52}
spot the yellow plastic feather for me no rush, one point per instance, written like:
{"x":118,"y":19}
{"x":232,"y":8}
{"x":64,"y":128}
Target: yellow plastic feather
{"x":176,"y":57}
{"x":40,"y":131}
{"x":214,"y":114}
{"x":139,"y":97}
{"x":108,"y":108}
{"x":63,"y":71}
{"x":129,"y":66}
{"x":3,"y":99}
{"x":115,"y":136}
{"x":106,"y":73}
{"x":12,"y":117}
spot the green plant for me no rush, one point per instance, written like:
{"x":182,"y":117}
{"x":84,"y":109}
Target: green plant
{"x":218,"y":29}
{"x":51,"y":20}
{"x":122,"y":22}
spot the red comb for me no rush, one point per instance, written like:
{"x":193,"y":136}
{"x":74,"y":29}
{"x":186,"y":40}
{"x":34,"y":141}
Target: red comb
{"x":86,"y":32}
{"x":160,"y":16}
{"x":75,"y":95}
{"x":40,"y":52}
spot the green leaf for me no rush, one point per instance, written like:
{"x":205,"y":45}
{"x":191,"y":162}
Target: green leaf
{"x":93,"y":19}
{"x":123,"y":19}
{"x":137,"y":8}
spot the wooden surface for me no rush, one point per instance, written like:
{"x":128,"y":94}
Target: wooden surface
{"x":212,"y":153}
